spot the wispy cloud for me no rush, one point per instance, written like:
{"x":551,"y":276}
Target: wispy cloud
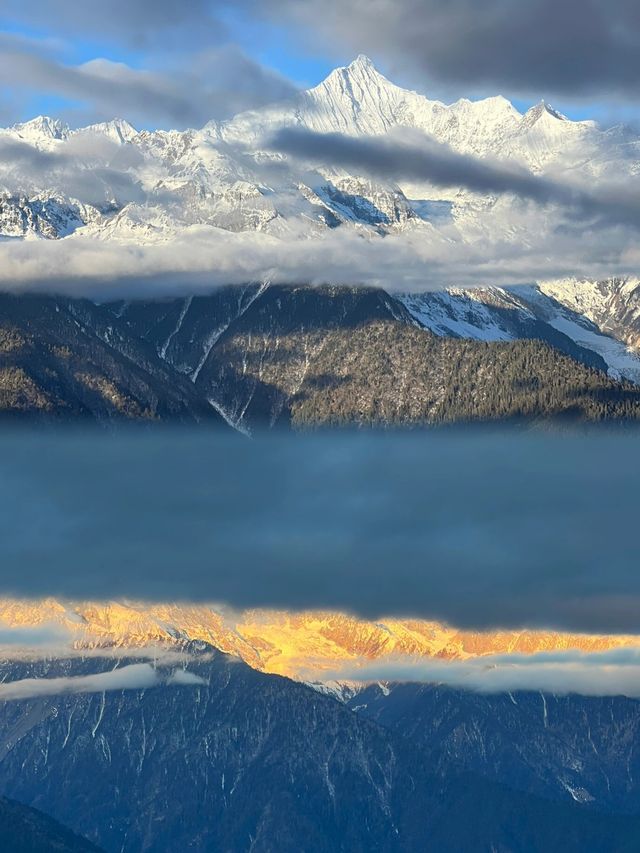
{"x":141,"y":24}
{"x":200,"y":258}
{"x":135,"y":676}
{"x":33,"y":636}
{"x":612,"y":673}
{"x":184,"y":677}
{"x":215,"y":83}
{"x":88,"y":168}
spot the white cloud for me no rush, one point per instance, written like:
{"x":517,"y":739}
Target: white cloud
{"x":183,"y":676}
{"x":199,"y":258}
{"x":33,"y":636}
{"x":135,"y":676}
{"x":611,"y":673}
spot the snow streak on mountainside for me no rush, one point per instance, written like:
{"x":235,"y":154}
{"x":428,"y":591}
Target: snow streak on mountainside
{"x":608,"y":327}
{"x":298,"y":645}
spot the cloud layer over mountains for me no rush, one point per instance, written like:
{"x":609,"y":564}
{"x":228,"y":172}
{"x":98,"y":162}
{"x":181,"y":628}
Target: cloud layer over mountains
{"x":408,"y":155}
{"x":202,"y":258}
{"x":180,"y":65}
{"x":135,"y":676}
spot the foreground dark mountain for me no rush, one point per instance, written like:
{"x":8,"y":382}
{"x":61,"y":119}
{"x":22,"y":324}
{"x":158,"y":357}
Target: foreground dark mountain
{"x":487,"y":818}
{"x":26,"y":830}
{"x":309,"y":356}
{"x":289,"y":356}
{"x":576,"y":748}
{"x":255,"y":762}
{"x":69,"y":359}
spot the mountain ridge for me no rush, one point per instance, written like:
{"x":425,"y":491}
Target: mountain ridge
{"x":297,"y":645}
{"x":268,"y":355}
{"x":238,"y":760}
{"x":356,"y":100}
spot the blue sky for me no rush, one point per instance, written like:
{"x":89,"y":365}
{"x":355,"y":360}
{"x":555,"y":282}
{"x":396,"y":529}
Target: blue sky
{"x":178,"y":46}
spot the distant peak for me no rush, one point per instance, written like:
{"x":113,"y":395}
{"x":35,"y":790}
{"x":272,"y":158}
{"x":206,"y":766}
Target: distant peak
{"x":550,"y":110}
{"x":123,"y":124}
{"x":541,"y":111}
{"x":498,"y":101}
{"x":119,"y":129}
{"x":359,"y":76}
{"x":44,"y":125}
{"x":362,"y":61}
{"x":362,"y":68}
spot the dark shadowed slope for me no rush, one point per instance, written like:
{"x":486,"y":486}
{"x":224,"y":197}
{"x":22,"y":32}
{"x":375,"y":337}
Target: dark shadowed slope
{"x":571,"y":748}
{"x":66,"y":359}
{"x":248,"y":761}
{"x":27,"y":830}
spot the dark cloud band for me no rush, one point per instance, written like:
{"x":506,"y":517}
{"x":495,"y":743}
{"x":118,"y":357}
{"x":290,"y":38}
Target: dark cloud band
{"x":408,"y":155}
{"x":479,"y":530}
{"x":532,"y":47}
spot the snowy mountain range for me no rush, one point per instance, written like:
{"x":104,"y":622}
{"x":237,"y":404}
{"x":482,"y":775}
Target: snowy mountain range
{"x":297,"y":645}
{"x":221,"y":743}
{"x":219,"y":175}
{"x":111,"y":183}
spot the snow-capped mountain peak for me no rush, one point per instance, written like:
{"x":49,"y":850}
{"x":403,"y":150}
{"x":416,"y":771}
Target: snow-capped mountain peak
{"x":41,"y":128}
{"x":220,"y":176}
{"x":47,"y":132}
{"x":362,"y":63}
{"x":355,"y":79}
{"x":118,"y":130}
{"x":356,"y":99}
{"x":542,"y":110}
